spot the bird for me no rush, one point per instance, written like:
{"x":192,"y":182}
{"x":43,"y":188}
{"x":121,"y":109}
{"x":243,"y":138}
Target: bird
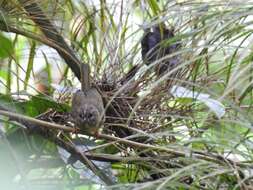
{"x":156,"y":44}
{"x":87,"y":105}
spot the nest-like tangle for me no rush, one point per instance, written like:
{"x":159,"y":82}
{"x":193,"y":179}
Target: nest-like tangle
{"x":138,"y":104}
{"x":145,"y":115}
{"x":135,"y":107}
{"x":130,"y":114}
{"x":130,"y":106}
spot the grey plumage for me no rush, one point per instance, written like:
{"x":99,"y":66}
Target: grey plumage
{"x":87,"y":106}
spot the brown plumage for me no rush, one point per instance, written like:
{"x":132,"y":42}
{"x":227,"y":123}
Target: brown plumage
{"x":87,"y":105}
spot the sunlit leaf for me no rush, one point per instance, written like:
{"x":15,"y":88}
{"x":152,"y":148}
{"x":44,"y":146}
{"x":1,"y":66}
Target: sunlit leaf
{"x":6,"y":48}
{"x":214,"y":105}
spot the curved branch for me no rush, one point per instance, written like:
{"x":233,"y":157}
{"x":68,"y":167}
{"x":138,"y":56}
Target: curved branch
{"x":49,"y":30}
{"x":18,"y":117}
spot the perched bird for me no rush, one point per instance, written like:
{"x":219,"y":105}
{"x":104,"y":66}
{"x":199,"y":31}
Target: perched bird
{"x":87,"y":105}
{"x":155,"y":45}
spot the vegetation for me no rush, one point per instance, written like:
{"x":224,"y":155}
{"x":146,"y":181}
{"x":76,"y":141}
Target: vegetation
{"x":190,"y":128}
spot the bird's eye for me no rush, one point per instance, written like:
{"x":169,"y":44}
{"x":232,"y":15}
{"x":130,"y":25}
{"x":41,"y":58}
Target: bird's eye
{"x":89,"y":115}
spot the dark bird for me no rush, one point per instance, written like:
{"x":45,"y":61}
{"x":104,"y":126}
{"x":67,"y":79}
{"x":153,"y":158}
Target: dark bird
{"x":156,"y":43}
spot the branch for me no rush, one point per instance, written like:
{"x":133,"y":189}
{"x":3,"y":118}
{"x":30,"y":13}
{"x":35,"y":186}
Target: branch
{"x":18,"y":117}
{"x":50,"y":136}
{"x":49,"y":30}
{"x":195,"y":154}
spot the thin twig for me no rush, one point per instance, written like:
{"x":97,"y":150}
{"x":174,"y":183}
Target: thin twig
{"x":198,"y":155}
{"x":41,"y":123}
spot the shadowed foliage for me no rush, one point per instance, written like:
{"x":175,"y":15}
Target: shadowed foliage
{"x":176,"y":82}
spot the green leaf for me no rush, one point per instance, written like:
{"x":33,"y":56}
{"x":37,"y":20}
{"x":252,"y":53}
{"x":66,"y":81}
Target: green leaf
{"x":39,"y":104}
{"x":3,"y":74}
{"x":154,"y":6}
{"x":7,"y":102}
{"x":30,"y":63}
{"x":6,"y":46}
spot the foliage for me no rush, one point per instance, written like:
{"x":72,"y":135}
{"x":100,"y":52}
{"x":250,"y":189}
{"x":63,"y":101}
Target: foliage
{"x":173,"y":141}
